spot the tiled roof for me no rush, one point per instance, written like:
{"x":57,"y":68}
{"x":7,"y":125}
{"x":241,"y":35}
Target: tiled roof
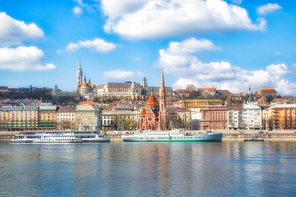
{"x":152,"y":100}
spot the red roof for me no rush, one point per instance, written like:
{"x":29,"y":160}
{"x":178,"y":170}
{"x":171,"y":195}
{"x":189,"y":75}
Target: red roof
{"x":143,"y":112}
{"x":152,"y":100}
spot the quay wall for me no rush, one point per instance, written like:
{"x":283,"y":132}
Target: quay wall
{"x":227,"y":135}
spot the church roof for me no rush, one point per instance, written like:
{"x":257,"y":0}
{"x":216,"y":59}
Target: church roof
{"x":143,"y":112}
{"x":152,"y":100}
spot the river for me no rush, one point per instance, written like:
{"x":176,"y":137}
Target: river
{"x":148,"y":169}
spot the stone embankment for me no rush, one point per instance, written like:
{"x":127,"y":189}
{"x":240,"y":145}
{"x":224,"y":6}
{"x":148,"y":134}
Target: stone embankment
{"x":7,"y":135}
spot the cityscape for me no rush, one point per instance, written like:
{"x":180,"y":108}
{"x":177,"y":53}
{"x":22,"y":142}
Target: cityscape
{"x":122,"y":106}
{"x":147,"y":98}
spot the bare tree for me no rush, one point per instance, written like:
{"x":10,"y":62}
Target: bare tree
{"x":190,"y":87}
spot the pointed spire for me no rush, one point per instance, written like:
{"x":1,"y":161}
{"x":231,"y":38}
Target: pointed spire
{"x":162,"y":87}
{"x":84,"y":78}
{"x":79,"y":64}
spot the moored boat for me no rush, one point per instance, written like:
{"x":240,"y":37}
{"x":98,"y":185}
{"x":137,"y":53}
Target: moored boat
{"x":172,"y":136}
{"x":55,"y":136}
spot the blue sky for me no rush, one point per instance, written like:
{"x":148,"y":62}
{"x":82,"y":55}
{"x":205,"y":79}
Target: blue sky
{"x":226,"y":44}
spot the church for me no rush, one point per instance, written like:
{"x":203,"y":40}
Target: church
{"x":154,"y":115}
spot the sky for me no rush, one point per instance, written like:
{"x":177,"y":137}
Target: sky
{"x":230,"y":45}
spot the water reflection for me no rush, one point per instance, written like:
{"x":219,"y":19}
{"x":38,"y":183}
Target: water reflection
{"x":145,"y":169}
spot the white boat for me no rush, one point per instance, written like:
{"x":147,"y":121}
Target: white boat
{"x":54,"y":136}
{"x":172,"y":136}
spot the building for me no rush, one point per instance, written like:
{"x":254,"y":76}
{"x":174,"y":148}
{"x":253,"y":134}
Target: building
{"x":66,"y":117}
{"x":108,"y":117}
{"x":88,"y":117}
{"x":235,"y":117}
{"x":201,"y":103}
{"x":281,"y":117}
{"x":47,"y":116}
{"x":128,"y":89}
{"x":19,"y":118}
{"x":264,"y":92}
{"x":214,"y":118}
{"x":207,"y":91}
{"x":251,"y":117}
{"x":154,"y":115}
{"x":82,"y":87}
{"x":25,"y":117}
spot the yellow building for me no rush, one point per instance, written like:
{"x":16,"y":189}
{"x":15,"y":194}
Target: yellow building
{"x":201,"y":103}
{"x":18,"y":118}
{"x":47,"y":116}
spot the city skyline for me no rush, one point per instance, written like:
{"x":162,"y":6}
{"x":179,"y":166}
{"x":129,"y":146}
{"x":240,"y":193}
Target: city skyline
{"x":229,"y":44}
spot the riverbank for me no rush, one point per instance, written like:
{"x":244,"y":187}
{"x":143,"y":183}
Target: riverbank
{"x":227,"y":135}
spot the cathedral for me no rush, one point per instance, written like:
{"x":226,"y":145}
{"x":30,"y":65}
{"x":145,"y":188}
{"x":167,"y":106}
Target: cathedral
{"x":154,"y":115}
{"x":83,"y":88}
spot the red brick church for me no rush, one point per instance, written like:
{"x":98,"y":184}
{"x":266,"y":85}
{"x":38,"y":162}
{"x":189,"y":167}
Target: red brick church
{"x":154,"y":115}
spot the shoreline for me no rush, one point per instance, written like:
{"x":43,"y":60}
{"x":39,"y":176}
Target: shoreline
{"x":274,"y":136}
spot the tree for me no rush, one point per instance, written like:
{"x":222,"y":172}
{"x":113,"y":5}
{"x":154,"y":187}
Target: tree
{"x":191,"y":87}
{"x":269,"y":98}
{"x":118,"y":122}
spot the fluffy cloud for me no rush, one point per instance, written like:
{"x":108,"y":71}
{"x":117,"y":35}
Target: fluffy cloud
{"x":77,"y":10}
{"x":14,"y":32}
{"x":264,"y":9}
{"x":189,"y":69}
{"x":97,"y":44}
{"x":23,"y":58}
{"x":119,"y":74}
{"x":156,"y":18}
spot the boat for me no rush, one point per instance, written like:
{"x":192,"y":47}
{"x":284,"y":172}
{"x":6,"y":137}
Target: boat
{"x":172,"y":136}
{"x":55,"y":136}
{"x":253,"y":139}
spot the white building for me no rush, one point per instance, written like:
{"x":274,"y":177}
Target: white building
{"x":251,"y":119}
{"x":88,"y":117}
{"x":66,"y":115}
{"x":107,"y":117}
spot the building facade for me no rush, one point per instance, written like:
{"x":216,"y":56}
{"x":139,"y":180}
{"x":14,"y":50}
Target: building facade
{"x":19,"y":118}
{"x":251,"y":117}
{"x":213,"y":118}
{"x":108,"y":117}
{"x":201,"y":103}
{"x":88,"y":117}
{"x":66,"y":118}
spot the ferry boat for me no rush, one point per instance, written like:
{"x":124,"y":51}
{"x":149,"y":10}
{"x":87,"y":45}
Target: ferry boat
{"x":172,"y":136}
{"x":55,"y":136}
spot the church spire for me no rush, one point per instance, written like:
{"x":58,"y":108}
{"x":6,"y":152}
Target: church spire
{"x":79,"y":64}
{"x":162,"y":105}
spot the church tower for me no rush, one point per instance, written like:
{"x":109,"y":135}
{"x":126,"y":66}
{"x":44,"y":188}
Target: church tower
{"x":144,"y":82}
{"x":79,"y":74}
{"x":162,"y":106}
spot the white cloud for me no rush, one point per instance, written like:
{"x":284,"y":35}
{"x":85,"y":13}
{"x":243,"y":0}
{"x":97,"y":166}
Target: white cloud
{"x":264,"y":9}
{"x":190,"y":70}
{"x":156,"y":18}
{"x":14,"y":32}
{"x":97,"y":44}
{"x":23,"y":58}
{"x":119,"y":74}
{"x":77,"y":10}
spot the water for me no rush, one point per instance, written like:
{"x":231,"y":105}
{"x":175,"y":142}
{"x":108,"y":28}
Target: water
{"x":148,"y":169}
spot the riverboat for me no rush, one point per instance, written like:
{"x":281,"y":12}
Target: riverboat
{"x":55,"y":136}
{"x":172,"y":136}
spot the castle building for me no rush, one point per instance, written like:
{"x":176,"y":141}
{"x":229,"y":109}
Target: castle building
{"x":154,"y":115}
